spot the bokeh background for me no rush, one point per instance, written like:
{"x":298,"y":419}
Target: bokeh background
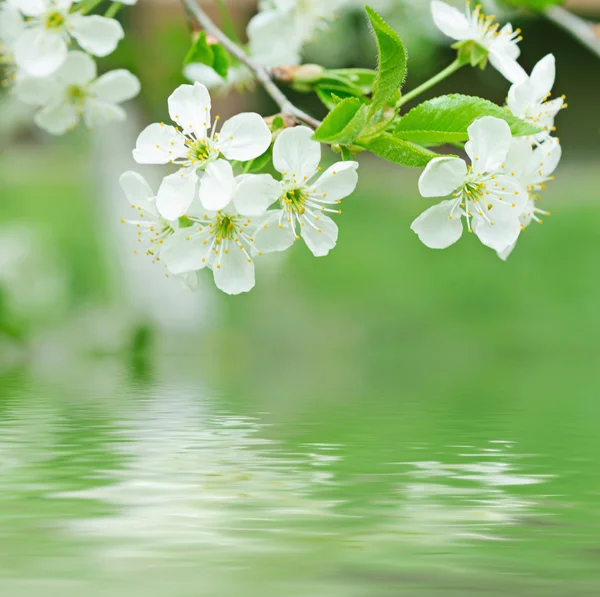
{"x":386,"y":419}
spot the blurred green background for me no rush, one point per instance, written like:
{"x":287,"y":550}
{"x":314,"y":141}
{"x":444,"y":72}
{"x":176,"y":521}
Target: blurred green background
{"x":381,"y":348}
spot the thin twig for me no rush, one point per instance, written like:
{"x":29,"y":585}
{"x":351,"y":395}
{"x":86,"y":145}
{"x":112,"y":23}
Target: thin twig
{"x":261,"y":73}
{"x":579,"y":28}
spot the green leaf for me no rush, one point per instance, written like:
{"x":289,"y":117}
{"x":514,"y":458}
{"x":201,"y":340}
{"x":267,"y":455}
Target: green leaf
{"x":534,"y":4}
{"x":396,"y":150}
{"x":347,"y":155}
{"x":358,"y":78}
{"x":446,"y":119}
{"x":392,"y":61}
{"x":344,"y":123}
{"x":214,"y":55}
{"x":257,"y":164}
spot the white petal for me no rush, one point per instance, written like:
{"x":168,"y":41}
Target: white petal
{"x":295,"y":153}
{"x":320,"y":233}
{"x":12,"y":25}
{"x":440,"y":226}
{"x":40,"y":52}
{"x":504,"y":255}
{"x":499,"y":236}
{"x":217,"y":186}
{"x":234,"y":270}
{"x":337,"y":182}
{"x":137,"y":191}
{"x":489,"y":141}
{"x":77,"y":69}
{"x":38,"y":91}
{"x":96,"y":114}
{"x":442,"y":176}
{"x":255,"y":193}
{"x":451,"y":21}
{"x":244,"y":137}
{"x":518,"y":157}
{"x":159,"y":144}
{"x":507,"y":66}
{"x":187,"y":250}
{"x":95,"y":34}
{"x":176,"y":193}
{"x":275,"y":233}
{"x":542,"y":162}
{"x":116,"y":86}
{"x":543,"y":75}
{"x":31,"y":8}
{"x":273,"y":39}
{"x":189,"y":107}
{"x":57,"y":119}
{"x":202,"y":73}
{"x":505,"y":199}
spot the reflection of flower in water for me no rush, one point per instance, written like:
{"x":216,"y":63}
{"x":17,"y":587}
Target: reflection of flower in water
{"x":445,"y":503}
{"x":196,"y":479}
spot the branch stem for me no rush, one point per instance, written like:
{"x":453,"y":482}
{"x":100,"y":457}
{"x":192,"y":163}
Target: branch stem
{"x":260,"y":72}
{"x":449,"y":70}
{"x":579,"y":28}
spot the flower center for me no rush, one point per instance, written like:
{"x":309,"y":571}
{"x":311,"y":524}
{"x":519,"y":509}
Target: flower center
{"x":54,"y":20}
{"x":294,"y":200}
{"x":76,"y":94}
{"x":198,"y":151}
{"x":225,"y":227}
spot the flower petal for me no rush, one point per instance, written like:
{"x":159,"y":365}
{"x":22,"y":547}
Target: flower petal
{"x":38,"y":91}
{"x":504,"y":255}
{"x":57,"y":119}
{"x":217,"y":186}
{"x":255,"y":193}
{"x":337,"y":182}
{"x":31,"y":8}
{"x":451,"y":21}
{"x":543,"y":161}
{"x":273,"y":39}
{"x":40,"y":52}
{"x":440,"y":226}
{"x":234,"y":270}
{"x":189,"y":107}
{"x":518,"y":157}
{"x":543,"y":75}
{"x":12,"y":25}
{"x":95,"y":34}
{"x":244,"y":137}
{"x":137,"y":191}
{"x":159,"y":144}
{"x":96,"y":114}
{"x":442,"y":176}
{"x":506,"y":65}
{"x":77,"y":69}
{"x":187,"y":250}
{"x":320,"y":233}
{"x":176,"y":193}
{"x":498,"y":236}
{"x":116,"y":86}
{"x":295,"y":154}
{"x":489,"y":141}
{"x":275,"y":234}
{"x":505,"y":199}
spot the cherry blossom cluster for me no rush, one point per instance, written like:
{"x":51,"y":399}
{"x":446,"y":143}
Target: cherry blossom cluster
{"x":204,"y":215}
{"x":37,"y":39}
{"x":497,"y":193}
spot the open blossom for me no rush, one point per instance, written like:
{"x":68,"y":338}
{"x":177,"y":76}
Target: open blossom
{"x":73,"y":92}
{"x":12,"y":25}
{"x":278,"y":32}
{"x":223,"y":239}
{"x":42,"y":48}
{"x":488,"y":196}
{"x":528,"y":100}
{"x":304,"y":197}
{"x":196,"y":147}
{"x":473,"y":25}
{"x":534,"y":168}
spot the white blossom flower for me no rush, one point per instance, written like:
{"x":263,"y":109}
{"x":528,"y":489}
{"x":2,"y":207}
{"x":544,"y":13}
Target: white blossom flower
{"x":42,"y":48}
{"x":154,"y":231}
{"x":534,"y":168}
{"x":528,"y":100}
{"x":196,"y":147}
{"x":73,"y":92}
{"x":304,"y":197}
{"x":490,"y":198}
{"x":222,"y":239}
{"x":473,"y":25}
{"x":12,"y":25}
{"x":278,"y":32}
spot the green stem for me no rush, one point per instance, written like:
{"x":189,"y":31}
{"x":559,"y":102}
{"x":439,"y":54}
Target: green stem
{"x":452,"y":68}
{"x":228,"y":25}
{"x":113,"y":9}
{"x":86,"y":7}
